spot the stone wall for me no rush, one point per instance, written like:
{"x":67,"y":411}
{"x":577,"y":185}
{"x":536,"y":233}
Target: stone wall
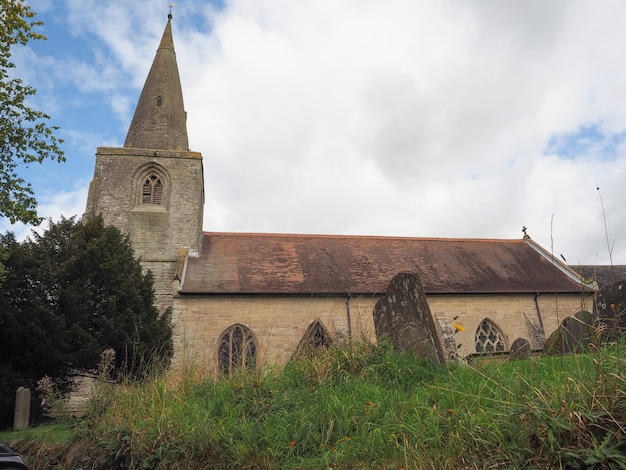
{"x":163,"y":273}
{"x":515,"y":314}
{"x":116,"y":190}
{"x":279,"y":323}
{"x":157,"y":232}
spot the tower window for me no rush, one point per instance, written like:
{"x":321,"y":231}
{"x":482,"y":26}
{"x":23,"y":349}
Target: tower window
{"x":159,"y":101}
{"x":152,"y":192}
{"x":236,"y":350}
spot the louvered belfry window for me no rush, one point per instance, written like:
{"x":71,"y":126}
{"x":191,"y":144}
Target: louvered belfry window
{"x":152,"y":190}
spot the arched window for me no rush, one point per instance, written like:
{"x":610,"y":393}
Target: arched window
{"x":315,"y":338}
{"x":236,"y":350}
{"x":489,"y":338}
{"x":152,"y":192}
{"x":152,"y":187}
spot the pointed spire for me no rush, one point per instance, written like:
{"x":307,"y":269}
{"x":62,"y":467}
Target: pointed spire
{"x":160,"y":120}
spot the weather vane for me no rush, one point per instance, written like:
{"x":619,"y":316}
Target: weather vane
{"x":172,"y":5}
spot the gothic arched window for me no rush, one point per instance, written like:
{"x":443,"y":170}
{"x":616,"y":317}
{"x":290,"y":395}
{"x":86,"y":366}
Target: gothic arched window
{"x":152,"y":187}
{"x":236,"y":350}
{"x":315,"y":338}
{"x":152,"y":191}
{"x":489,"y":338}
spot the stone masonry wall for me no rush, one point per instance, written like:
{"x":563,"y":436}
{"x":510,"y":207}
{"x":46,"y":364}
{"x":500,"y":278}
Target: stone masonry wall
{"x":116,"y":190}
{"x":163,"y":273}
{"x":157,"y":232}
{"x":277,"y":323}
{"x":515,"y":314}
{"x":280,"y":322}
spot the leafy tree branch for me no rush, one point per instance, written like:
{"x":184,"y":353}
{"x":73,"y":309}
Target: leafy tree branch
{"x":25,"y":135}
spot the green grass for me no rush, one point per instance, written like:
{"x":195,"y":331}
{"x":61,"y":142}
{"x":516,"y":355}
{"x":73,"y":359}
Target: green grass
{"x":48,"y":433}
{"x":365,"y":406}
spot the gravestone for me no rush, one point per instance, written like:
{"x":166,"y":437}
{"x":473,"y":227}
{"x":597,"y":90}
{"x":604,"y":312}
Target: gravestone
{"x":574,"y":335}
{"x":21,"y":417}
{"x":612,"y":310}
{"x":520,"y":350}
{"x":403,"y":317}
{"x":449,"y":340}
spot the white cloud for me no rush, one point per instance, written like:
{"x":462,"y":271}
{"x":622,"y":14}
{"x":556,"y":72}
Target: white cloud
{"x":428,"y":118}
{"x":409,"y":118}
{"x":51,"y":207}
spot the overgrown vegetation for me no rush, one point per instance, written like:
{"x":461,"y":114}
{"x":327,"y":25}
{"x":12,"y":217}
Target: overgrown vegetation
{"x":67,"y":295}
{"x":366,"y":406}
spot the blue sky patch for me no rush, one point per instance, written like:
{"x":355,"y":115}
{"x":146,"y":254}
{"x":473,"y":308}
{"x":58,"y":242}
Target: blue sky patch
{"x":586,"y":142}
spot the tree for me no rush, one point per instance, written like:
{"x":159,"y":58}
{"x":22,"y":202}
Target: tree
{"x":25,"y":136}
{"x":68,"y":295}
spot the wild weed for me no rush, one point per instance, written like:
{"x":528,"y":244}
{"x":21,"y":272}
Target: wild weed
{"x":369,"y":406}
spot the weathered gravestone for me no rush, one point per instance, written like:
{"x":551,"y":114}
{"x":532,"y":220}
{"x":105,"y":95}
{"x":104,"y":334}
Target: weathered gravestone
{"x":21,"y":417}
{"x":520,"y":350}
{"x":403,"y":317}
{"x":574,"y":335}
{"x":450,"y":346}
{"x":612,"y":310}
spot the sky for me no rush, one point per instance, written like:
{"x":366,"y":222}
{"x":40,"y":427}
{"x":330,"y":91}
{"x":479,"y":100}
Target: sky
{"x":416,"y":118}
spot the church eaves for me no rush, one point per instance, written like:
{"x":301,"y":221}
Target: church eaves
{"x":160,"y":120}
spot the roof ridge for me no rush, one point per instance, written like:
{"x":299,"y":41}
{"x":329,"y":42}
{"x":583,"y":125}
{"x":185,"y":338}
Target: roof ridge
{"x":386,"y":237}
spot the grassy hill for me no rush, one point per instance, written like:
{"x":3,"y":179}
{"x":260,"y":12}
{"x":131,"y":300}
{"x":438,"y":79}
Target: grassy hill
{"x":362,"y":406}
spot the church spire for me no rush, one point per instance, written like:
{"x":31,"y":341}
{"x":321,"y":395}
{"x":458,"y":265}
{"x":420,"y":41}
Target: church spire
{"x":160,"y":120}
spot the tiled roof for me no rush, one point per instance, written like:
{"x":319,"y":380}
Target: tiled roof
{"x":602,"y":274}
{"x":236,"y":263}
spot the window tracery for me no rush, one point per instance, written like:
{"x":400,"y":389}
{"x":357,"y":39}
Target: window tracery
{"x":237,"y":350}
{"x":152,"y":191}
{"x":315,"y":338}
{"x":489,"y":338}
{"x":152,"y":185}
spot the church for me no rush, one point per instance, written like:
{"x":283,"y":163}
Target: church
{"x":239,"y":299}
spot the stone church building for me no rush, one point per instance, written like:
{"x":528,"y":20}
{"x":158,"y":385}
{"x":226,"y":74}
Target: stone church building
{"x":243,"y":297}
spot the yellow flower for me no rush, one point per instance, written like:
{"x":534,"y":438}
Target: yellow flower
{"x":458,"y":327}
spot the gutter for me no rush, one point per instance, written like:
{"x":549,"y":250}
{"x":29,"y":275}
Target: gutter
{"x":539,"y":313}
{"x":348,"y":315}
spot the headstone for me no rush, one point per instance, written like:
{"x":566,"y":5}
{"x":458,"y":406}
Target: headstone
{"x":403,"y":317}
{"x":449,"y":340}
{"x":520,"y":350}
{"x":21,"y":417}
{"x":574,"y":335}
{"x":612,"y":310}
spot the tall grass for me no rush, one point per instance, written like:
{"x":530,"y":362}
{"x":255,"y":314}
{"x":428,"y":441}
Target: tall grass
{"x":364,"y":406}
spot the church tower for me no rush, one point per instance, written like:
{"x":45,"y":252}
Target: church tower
{"x":153,"y":188}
